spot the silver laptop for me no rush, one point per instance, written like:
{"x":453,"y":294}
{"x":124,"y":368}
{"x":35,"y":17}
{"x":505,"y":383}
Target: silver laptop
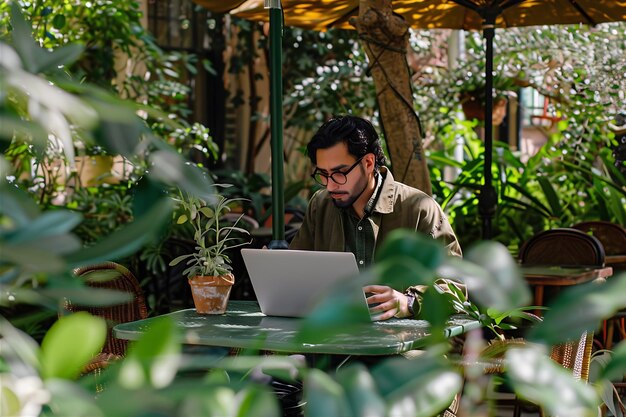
{"x":289,"y":283}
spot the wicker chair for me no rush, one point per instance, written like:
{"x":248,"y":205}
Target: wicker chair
{"x":574,"y":355}
{"x":136,"y":309}
{"x":613,"y":238}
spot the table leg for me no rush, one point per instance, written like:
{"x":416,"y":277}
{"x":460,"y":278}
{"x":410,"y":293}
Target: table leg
{"x":538,"y":299}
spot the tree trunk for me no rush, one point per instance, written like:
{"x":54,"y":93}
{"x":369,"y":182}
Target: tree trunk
{"x":385,"y":39}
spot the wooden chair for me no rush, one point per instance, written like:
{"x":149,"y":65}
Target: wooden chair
{"x":562,"y":246}
{"x":611,"y":235}
{"x":613,"y":238}
{"x":136,"y":309}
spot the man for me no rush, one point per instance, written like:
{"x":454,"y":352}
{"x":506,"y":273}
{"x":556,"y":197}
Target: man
{"x":362,"y":203}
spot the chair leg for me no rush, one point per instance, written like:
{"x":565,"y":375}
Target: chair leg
{"x":610,"y":329}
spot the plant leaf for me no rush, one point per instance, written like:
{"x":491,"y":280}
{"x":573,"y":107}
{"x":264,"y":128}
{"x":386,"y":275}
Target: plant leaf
{"x":57,"y":360}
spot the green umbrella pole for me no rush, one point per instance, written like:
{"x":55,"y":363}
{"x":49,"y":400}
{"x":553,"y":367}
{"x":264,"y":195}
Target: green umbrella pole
{"x":276,"y":124}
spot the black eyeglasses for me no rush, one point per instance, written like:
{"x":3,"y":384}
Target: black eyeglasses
{"x":339,"y":177}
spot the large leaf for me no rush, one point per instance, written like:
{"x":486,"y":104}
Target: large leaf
{"x":536,"y":377}
{"x":50,"y":223}
{"x":551,"y":196}
{"x":436,"y":308}
{"x":23,"y":41}
{"x":62,"y":56}
{"x":154,"y":359}
{"x":171,"y":168}
{"x":360,"y":391}
{"x":10,"y":125}
{"x":422,"y":387}
{"x":579,"y":309}
{"x":400,"y":272}
{"x":19,"y":349}
{"x":122,"y":138}
{"x":404,"y":242}
{"x":32,"y":259}
{"x":616,"y":368}
{"x":257,"y":401}
{"x":35,"y":58}
{"x":70,"y":343}
{"x":324,"y":397}
{"x":492,"y":278}
{"x":126,"y":240}
{"x":503,"y":288}
{"x":16,"y":205}
{"x":93,"y":297}
{"x":70,"y":399}
{"x":343,"y":306}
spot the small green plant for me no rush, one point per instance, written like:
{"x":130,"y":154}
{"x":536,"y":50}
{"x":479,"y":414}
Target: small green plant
{"x":212,"y":231}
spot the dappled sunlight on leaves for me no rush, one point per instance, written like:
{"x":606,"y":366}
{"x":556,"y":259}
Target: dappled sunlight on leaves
{"x":537,"y":378}
{"x":580,"y":308}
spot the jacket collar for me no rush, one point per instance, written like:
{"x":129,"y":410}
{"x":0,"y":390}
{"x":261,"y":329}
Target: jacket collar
{"x":384,"y":205}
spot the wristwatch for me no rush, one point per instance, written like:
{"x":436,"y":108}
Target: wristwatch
{"x":410,"y":300}
{"x":413,"y":301}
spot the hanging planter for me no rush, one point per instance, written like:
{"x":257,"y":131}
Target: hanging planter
{"x":474,"y":108}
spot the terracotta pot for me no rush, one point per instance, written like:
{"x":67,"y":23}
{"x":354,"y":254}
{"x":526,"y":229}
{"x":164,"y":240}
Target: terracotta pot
{"x":211,"y":294}
{"x":474,"y":109}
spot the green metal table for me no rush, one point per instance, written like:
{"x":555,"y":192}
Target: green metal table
{"x":244,"y":326}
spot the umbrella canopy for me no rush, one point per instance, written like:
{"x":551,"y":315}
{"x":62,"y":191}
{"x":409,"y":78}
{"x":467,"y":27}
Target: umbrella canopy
{"x":430,"y":14}
{"x":483,"y":15}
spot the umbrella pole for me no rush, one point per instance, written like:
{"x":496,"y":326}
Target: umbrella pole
{"x":276,"y":125}
{"x":487,"y":200}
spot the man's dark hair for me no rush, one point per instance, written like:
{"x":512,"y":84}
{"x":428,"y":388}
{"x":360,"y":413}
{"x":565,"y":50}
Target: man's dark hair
{"x":356,"y":132}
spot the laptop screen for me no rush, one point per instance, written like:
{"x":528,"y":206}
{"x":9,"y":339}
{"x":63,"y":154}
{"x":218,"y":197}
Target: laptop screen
{"x":289,"y":283}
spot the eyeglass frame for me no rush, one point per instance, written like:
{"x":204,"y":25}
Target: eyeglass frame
{"x":344,"y":173}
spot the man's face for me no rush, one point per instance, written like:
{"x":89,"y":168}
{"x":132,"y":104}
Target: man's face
{"x":338,"y":159}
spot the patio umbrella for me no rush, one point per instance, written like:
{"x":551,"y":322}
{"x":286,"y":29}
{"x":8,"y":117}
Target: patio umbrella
{"x":485,"y":15}
{"x":275,"y":17}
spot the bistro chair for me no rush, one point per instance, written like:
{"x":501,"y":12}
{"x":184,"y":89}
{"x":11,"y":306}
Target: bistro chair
{"x":574,"y":356}
{"x":135,"y":309}
{"x":563,"y":247}
{"x":566,"y":247}
{"x":611,"y":235}
{"x":613,"y":238}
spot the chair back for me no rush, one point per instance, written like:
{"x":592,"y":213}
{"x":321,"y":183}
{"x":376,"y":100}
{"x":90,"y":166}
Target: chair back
{"x":612,"y":236}
{"x":575,"y":355}
{"x":135,"y":309}
{"x":564,"y":247}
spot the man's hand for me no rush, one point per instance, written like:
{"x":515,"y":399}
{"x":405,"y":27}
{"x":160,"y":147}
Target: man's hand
{"x":387,"y":302}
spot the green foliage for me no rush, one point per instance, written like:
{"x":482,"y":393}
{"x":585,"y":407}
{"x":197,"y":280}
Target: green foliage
{"x":573,"y":177}
{"x":60,"y":362}
{"x":38,"y":251}
{"x":325,"y":73}
{"x":211,"y":234}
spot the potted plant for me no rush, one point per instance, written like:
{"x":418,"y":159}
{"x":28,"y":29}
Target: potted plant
{"x":472,"y":96}
{"x":208,"y":267}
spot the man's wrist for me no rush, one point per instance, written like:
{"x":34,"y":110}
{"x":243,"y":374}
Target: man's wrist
{"x":413,"y":298}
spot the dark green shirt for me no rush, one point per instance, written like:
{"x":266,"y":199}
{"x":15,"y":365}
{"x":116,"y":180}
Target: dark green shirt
{"x":360,"y":238}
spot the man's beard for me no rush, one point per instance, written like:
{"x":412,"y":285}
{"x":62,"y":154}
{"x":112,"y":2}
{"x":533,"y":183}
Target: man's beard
{"x":348,"y":203}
